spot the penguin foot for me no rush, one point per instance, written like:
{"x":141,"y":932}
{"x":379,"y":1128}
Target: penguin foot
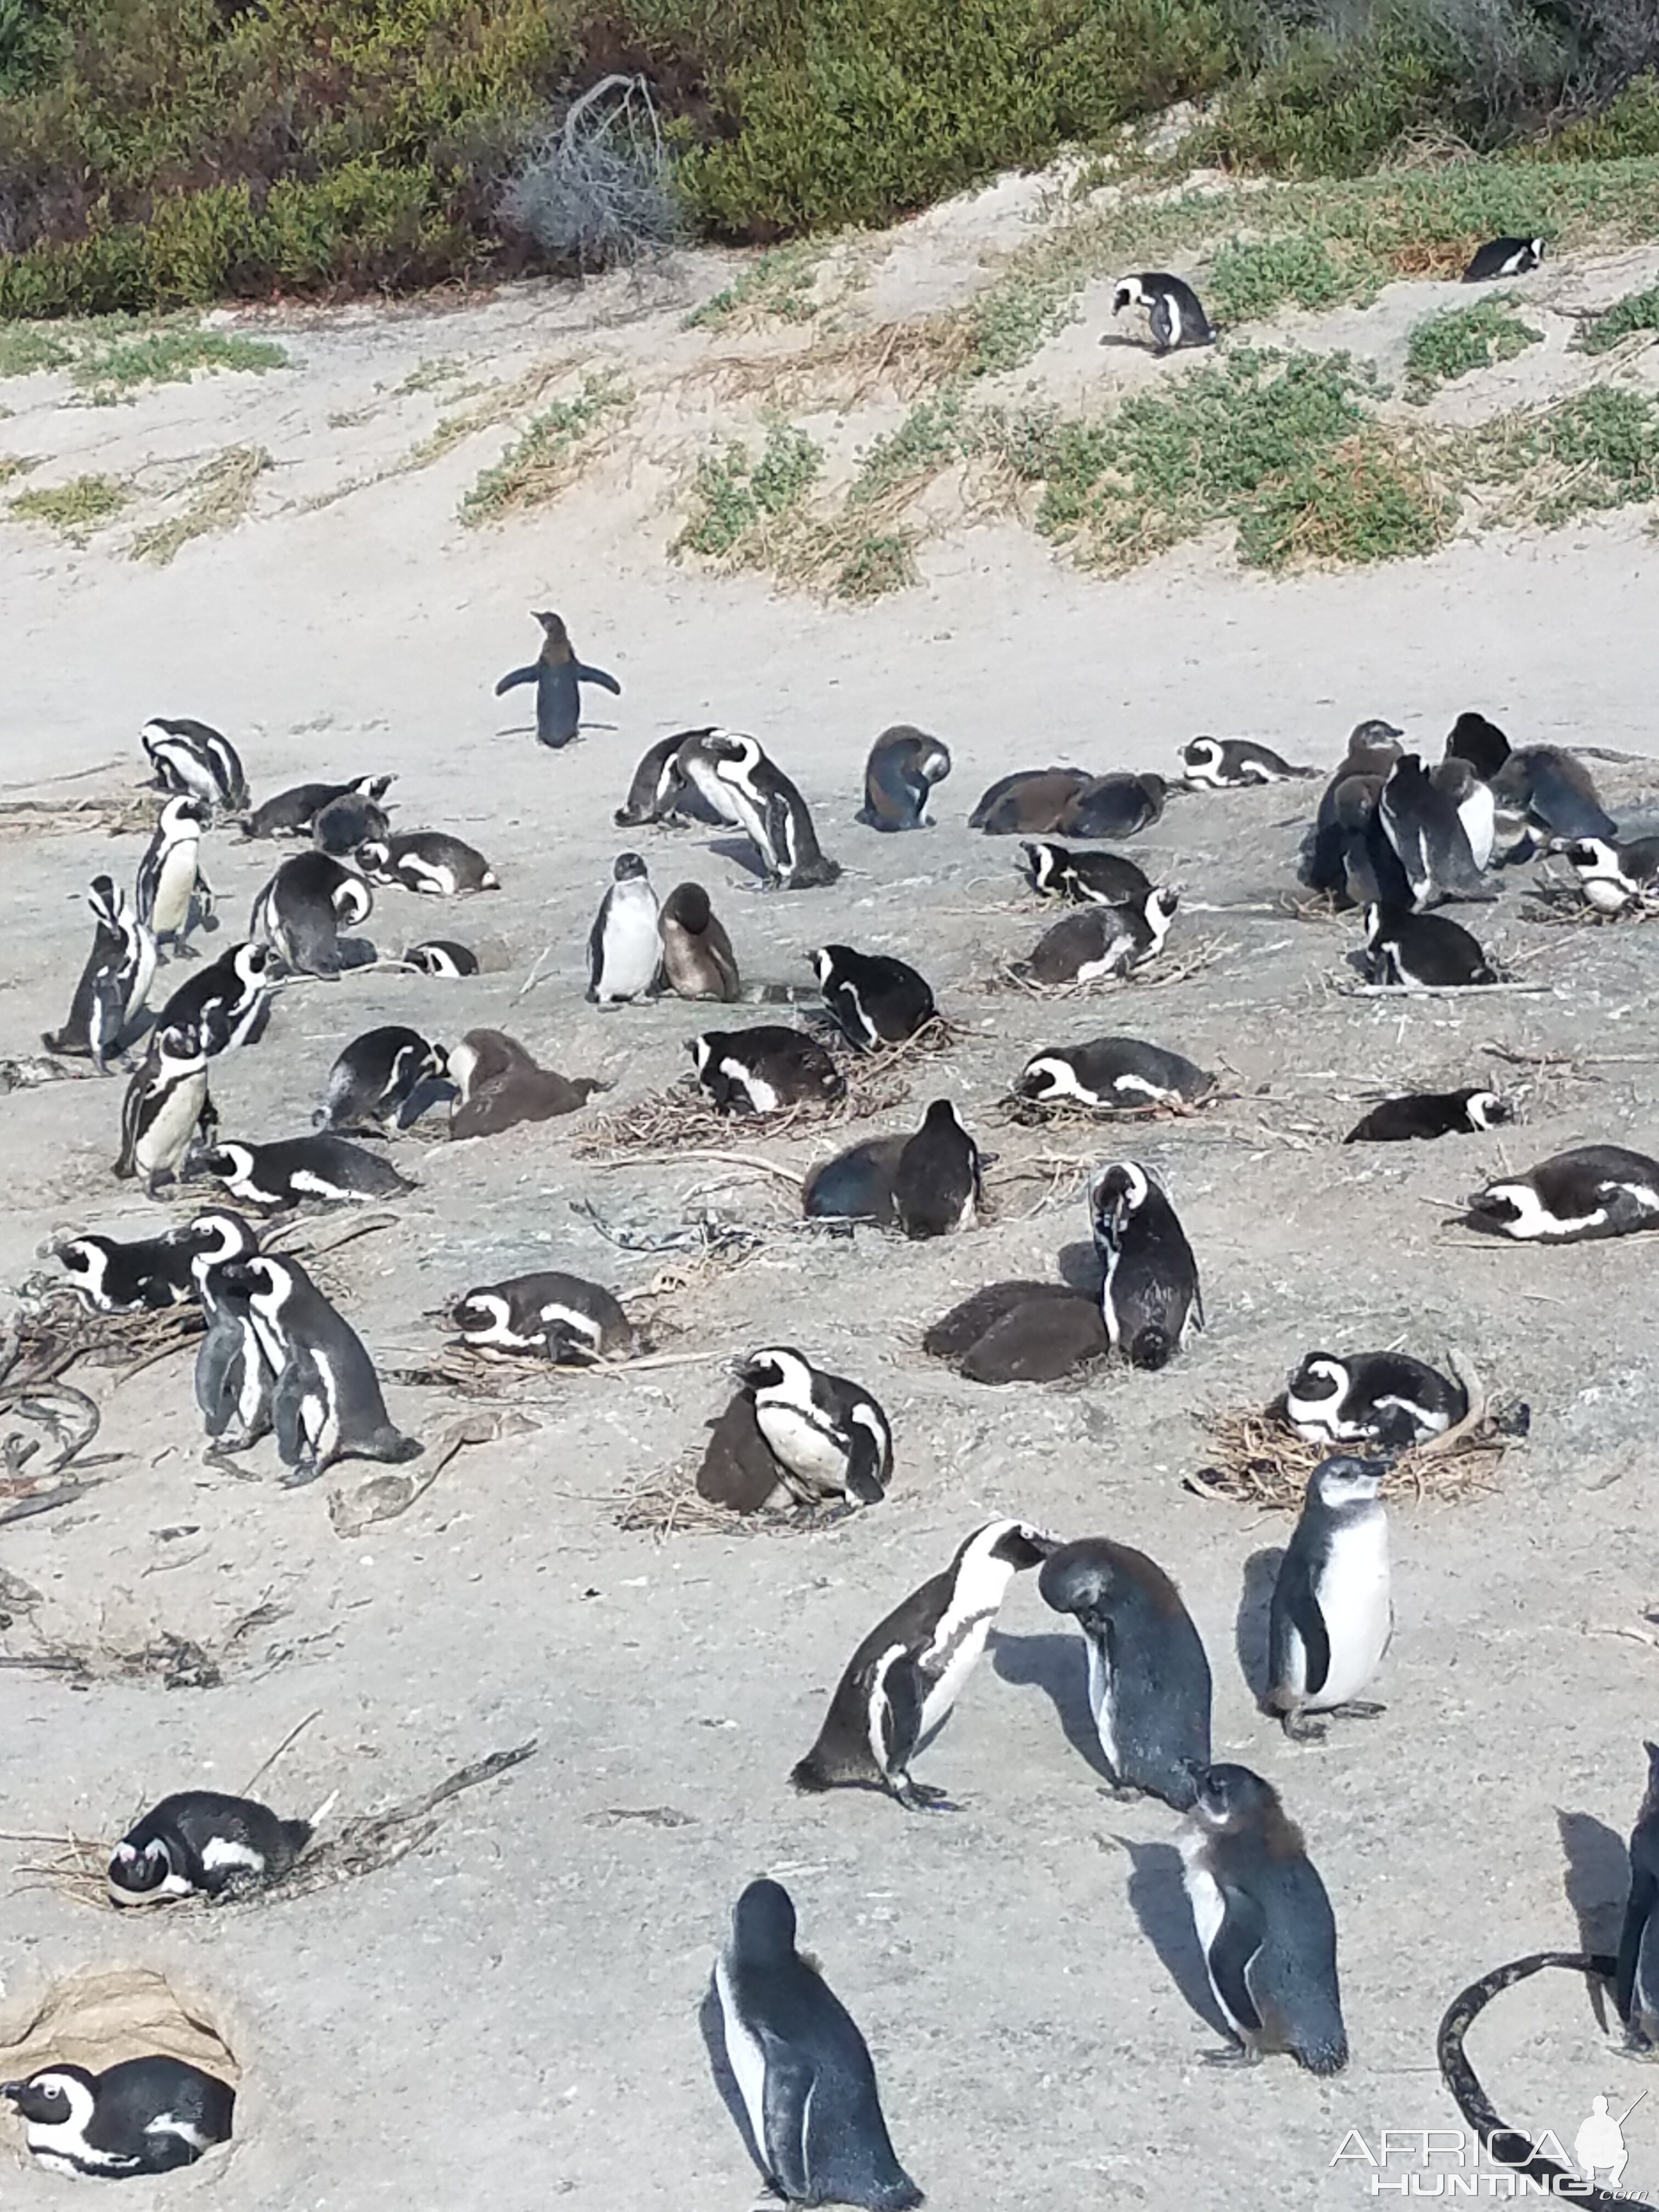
{"x":924,"y":1797}
{"x":1303,"y":1727}
{"x":297,"y":1478}
{"x":1122,"y":1793}
{"x":1233,"y":2054}
{"x":1359,"y":1709}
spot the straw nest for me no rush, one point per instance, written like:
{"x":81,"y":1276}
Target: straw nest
{"x":669,"y":1504}
{"x":682,"y":1119}
{"x":1153,"y":975}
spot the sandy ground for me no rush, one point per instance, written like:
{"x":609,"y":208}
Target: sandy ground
{"x":508,"y":2015}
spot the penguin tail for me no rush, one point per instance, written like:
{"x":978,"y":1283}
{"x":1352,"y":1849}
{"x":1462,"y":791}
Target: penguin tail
{"x":295,"y":1835}
{"x":1150,"y":1347}
{"x":901,"y":2195}
{"x":809,"y":1775}
{"x":391,"y":1444}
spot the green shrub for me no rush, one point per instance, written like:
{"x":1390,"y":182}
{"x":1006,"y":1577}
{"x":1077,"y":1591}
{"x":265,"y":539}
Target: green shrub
{"x":1637,"y":311}
{"x":739,"y":497}
{"x":1250,"y":280}
{"x":1456,"y":342}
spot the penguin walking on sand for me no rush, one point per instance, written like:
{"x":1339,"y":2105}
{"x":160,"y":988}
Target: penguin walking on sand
{"x":1332,"y":1616}
{"x":1422,"y":953}
{"x":767,"y":806}
{"x":624,"y":946}
{"x":899,"y":776}
{"x":298,"y":914}
{"x":1175,"y":315}
{"x":200,"y":1842}
{"x":382,"y":1080}
{"x":1150,"y":1297}
{"x":171,"y":891}
{"x":166,"y":1105}
{"x":830,"y":1438}
{"x":1235,"y":764}
{"x":114,"y":983}
{"x":557,"y":675}
{"x":909,"y":1672}
{"x":195,"y":759}
{"x":938,"y":1182}
{"x":877,"y":1000}
{"x":1573,"y":1198}
{"x":1263,"y":1920}
{"x":234,"y":1381}
{"x":1372,"y":1397}
{"x":224,"y":1002}
{"x":148,"y":2115}
{"x":1149,"y":1680}
{"x":806,"y":2099}
{"x":1636,"y":1978}
{"x":697,"y":959}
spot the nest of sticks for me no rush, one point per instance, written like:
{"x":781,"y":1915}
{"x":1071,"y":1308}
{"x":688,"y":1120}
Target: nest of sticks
{"x":1154,"y":974}
{"x":43,"y":1341}
{"x":669,"y":1503}
{"x":1016,"y":1113}
{"x":682,"y":1119}
{"x":171,"y":1661}
{"x":116,"y":813}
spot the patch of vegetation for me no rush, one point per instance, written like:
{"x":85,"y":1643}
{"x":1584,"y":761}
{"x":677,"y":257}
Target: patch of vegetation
{"x":430,"y":376}
{"x":540,"y":461}
{"x":1455,"y":343}
{"x":216,"y":499}
{"x":1595,"y":450}
{"x":1249,"y":279}
{"x":1637,"y":311}
{"x":15,"y":465}
{"x":742,"y":500}
{"x":74,"y":509}
{"x":27,"y":348}
{"x":117,"y":367}
{"x":775,"y":287}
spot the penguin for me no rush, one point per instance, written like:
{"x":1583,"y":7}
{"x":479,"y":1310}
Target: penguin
{"x":300,"y":912}
{"x":566,"y":1320}
{"x":1101,"y":941}
{"x":234,"y":1381}
{"x":1020,"y":1331}
{"x":1264,"y":1921}
{"x":1369,"y":871}
{"x":696,"y":763}
{"x":1481,"y":742}
{"x":200,"y":1842}
{"x":500,"y":1085}
{"x":291,"y":813}
{"x":1235,"y":764}
{"x":1085,"y":879}
{"x":557,"y":675}
{"x":904,"y":1679}
{"x":697,"y":959}
{"x":327,"y":1404}
{"x":380,"y":1082}
{"x":1590,"y":1192}
{"x":1373,"y":748}
{"x":1032,"y":800}
{"x":876,"y":1002}
{"x":659,"y":791}
{"x":1422,"y":824}
{"x":171,"y":891}
{"x":1477,"y":809}
{"x":114,"y":983}
{"x":856,"y":1185}
{"x":764,"y":1070}
{"x":812,"y":2112}
{"x":829,"y":1437}
{"x":1149,"y":1680}
{"x":1423,"y":952}
{"x":1332,"y":1616}
{"x":899,"y":776}
{"x":1113,"y":1074}
{"x":225,"y":1002}
{"x":1635,"y":1976}
{"x":1613,"y":876}
{"x":1376,"y":1397}
{"x":1151,"y":1298}
{"x":139,"y":1275}
{"x":1114,"y":806}
{"x":937,"y":1185}
{"x":1503,"y":257}
{"x":1555,"y":793}
{"x":428,"y":861}
{"x":1175,"y":315}
{"x":147,"y":2115}
{"x":624,"y":946}
{"x":772,"y":813}
{"x":166,"y":1103}
{"x":441,"y":956}
{"x":1424,"y":1114}
{"x":738,"y":1469}
{"x":196,"y":761}
{"x":347,"y":822}
{"x":321,"y":1170}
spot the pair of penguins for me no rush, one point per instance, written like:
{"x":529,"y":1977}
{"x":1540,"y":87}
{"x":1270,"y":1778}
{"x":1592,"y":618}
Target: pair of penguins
{"x":730,"y":778}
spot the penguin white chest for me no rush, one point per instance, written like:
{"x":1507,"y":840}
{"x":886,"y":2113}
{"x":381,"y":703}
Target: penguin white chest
{"x":746,"y":2059}
{"x":175,"y":882}
{"x":632,"y":944}
{"x":162,"y":1145}
{"x":1352,"y":1594}
{"x":805,"y":1449}
{"x":1101,"y":1699}
{"x":1209,"y":1913}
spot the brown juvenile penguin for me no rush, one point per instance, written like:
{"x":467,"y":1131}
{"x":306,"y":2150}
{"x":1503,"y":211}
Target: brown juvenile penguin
{"x":1032,"y":802}
{"x":697,"y":959}
{"x":1019,"y":1332}
{"x":738,"y":1469}
{"x":500,"y":1085}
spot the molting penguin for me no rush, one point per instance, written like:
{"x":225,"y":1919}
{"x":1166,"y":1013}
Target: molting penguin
{"x":697,"y":959}
{"x":441,"y":956}
{"x":905,"y":1677}
{"x":1174,"y":316}
{"x":427,"y":860}
{"x":903,"y":766}
{"x":810,"y":2108}
{"x":1149,"y":1680}
{"x":197,"y":760}
{"x":1423,"y":825}
{"x":1555,"y":792}
{"x":771,"y":809}
{"x":226,"y":1002}
{"x":1264,"y":1921}
{"x":557,"y":675}
{"x":166,"y":1103}
{"x":1423,"y":952}
{"x":1083,"y":877}
{"x":1331,"y":1615}
{"x":299,"y":913}
{"x":561,"y":1317}
{"x":856,"y":1185}
{"x":1636,"y":1978}
{"x":876,"y":1000}
{"x":200,"y":1842}
{"x":1235,"y":764}
{"x":327,"y":1404}
{"x":1423,"y":1114}
{"x":937,"y":1186}
{"x":326,"y":1171}
{"x":764,"y":1070}
{"x":1151,"y":1298}
{"x":1114,"y":806}
{"x":1019,"y":1332}
{"x":1101,"y":941}
{"x":381,"y":1081}
{"x":139,"y":1275}
{"x":171,"y":891}
{"x":291,"y":813}
{"x":1377,"y":1397}
{"x":1503,"y":257}
{"x":1590,"y":1192}
{"x":1481,"y":742}
{"x":1373,"y":748}
{"x":1613,"y":876}
{"x":234,"y":1381}
{"x":624,"y":946}
{"x":148,"y":2115}
{"x":1369,"y":869}
{"x":1032,"y":800}
{"x":114,"y":984}
{"x":500,"y":1085}
{"x":829,"y":1437}
{"x":1113,"y":1074}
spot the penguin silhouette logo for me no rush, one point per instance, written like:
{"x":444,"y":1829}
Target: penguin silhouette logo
{"x":1599,"y":2145}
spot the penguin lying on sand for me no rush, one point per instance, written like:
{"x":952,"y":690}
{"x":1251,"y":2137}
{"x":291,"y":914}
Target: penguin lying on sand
{"x":200,"y":1842}
{"x":381,"y":1081}
{"x":148,"y":2115}
{"x":829,"y":1437}
{"x":1613,"y":876}
{"x":764,"y":1070}
{"x":1020,"y":1331}
{"x":1099,"y":942}
{"x":1377,"y":1397}
{"x":1235,"y":764}
{"x":561,"y":1317}
{"x":1423,"y":1114}
{"x":430,"y":861}
{"x":500,"y":1085}
{"x":1087,"y":878}
{"x":1113,"y":1075}
{"x":1114,"y":806}
{"x":320,"y":1170}
{"x":1590,"y":1192}
{"x":876,"y":1000}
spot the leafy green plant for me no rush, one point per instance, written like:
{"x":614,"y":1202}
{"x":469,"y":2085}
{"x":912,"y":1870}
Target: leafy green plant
{"x":74,"y":509}
{"x":1250,"y":278}
{"x":739,"y":499}
{"x":1637,"y":311}
{"x":217,"y":497}
{"x":538,"y":464}
{"x":1456,"y":342}
{"x":775,"y":287}
{"x":120,"y":366}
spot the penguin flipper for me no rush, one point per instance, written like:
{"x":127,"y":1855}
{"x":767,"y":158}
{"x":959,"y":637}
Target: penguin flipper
{"x":863,"y":1481}
{"x":606,"y":683}
{"x":1295,"y":1606}
{"x":1644,"y":1898}
{"x":1239,"y":1938}
{"x":784,"y":2105}
{"x":901,"y":1691}
{"x":530,"y":675}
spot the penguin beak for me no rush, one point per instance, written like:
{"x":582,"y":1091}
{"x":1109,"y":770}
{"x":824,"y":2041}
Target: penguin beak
{"x":12,"y":2091}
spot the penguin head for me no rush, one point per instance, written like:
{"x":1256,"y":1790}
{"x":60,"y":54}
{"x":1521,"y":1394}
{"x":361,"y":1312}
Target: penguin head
{"x":1201,"y":755}
{"x":176,"y":1048}
{"x":374,"y":857}
{"x":1015,"y":1543}
{"x":227,"y":1163}
{"x":1151,"y":1346}
{"x":763,"y":1924}
{"x":1486,"y":1110}
{"x":268,"y":1282}
{"x":1046,"y":1076}
{"x":434,"y":1064}
{"x":733,"y":755}
{"x":825,"y":959}
{"x":942,"y":1116}
{"x":1533,"y":254}
{"x":56,"y":2097}
{"x":1502,"y":1205}
{"x":373,"y":787}
{"x":1321,"y":1379}
{"x":1346,"y":1480}
{"x":553,"y":628}
{"x":1372,"y":919}
{"x":1130,"y":292}
{"x":85,"y":1261}
{"x":1160,"y":908}
{"x":1041,"y":865}
{"x":1591,"y":856}
{"x":1374,"y":735}
{"x":137,"y":1873}
{"x":687,"y":906}
{"x":703,"y":1050}
{"x":216,"y":1238}
{"x":479,"y":1310}
{"x":776,"y":1367}
{"x":251,"y":963}
{"x":1119,"y":1192}
{"x":105,"y":901}
{"x":1229,"y":1797}
{"x":631,"y":868}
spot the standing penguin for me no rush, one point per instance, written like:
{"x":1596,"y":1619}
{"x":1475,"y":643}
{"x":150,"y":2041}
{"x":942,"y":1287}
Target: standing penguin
{"x":1150,"y":1297}
{"x":1477,"y":809}
{"x":557,"y":675}
{"x":903,"y":766}
{"x":1331,"y":1615}
{"x":1422,"y":823}
{"x":738,"y":776}
{"x":829,"y":1437}
{"x":164,"y":1106}
{"x":1175,"y":315}
{"x":172,"y":891}
{"x":147,"y":2115}
{"x":327,"y":1404}
{"x":697,"y":959}
{"x":624,"y":946}
{"x":234,"y":1381}
{"x":1636,"y":1980}
{"x":909,"y":1671}
{"x":1149,"y":1680}
{"x":811,"y":2110}
{"x":201,"y":1842}
{"x":225,"y":1002}
{"x":114,"y":983}
{"x":1264,"y":1921}
{"x":936,"y":1183}
{"x":876,"y":1000}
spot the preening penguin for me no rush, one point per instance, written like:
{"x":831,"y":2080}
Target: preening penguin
{"x":1590,"y":1192}
{"x":1149,"y":1680}
{"x":764,"y":1070}
{"x":1114,"y":806}
{"x":909,"y":1672}
{"x":1102,"y":941}
{"x":145,"y":2115}
{"x":1085,"y":878}
{"x":767,"y":805}
{"x":1423,"y":952}
{"x":299,"y":913}
{"x":166,"y":1103}
{"x":171,"y":891}
{"x":224,"y":1002}
{"x":197,"y":760}
{"x":114,"y":984}
{"x":1423,"y":1114}
{"x":563,"y":1317}
{"x":876,"y":1000}
{"x":1422,"y":823}
{"x":347,"y":822}
{"x":382,"y":1080}
{"x":1174,"y":316}
{"x":200,"y":1842}
{"x":1019,"y":1332}
{"x":624,"y":946}
{"x":1503,"y":257}
{"x":1151,"y":1298}
{"x":1477,"y":809}
{"x":806,"y":2095}
{"x":430,"y":861}
{"x":500,"y":1085}
{"x":697,"y":959}
{"x":1636,"y":1981}
{"x":937,"y":1184}
{"x":557,"y":675}
{"x":659,"y":792}
{"x":1613,"y":876}
{"x":1376,"y":1397}
{"x":903,"y":766}
{"x":829,"y":1437}
{"x":1235,"y":764}
{"x":1113,"y":1075}
{"x":1264,"y":1921}
{"x":1331,"y":1615}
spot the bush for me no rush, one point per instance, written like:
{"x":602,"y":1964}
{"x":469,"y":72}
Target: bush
{"x":1637,"y":311}
{"x":598,"y":192}
{"x":1445,"y":347}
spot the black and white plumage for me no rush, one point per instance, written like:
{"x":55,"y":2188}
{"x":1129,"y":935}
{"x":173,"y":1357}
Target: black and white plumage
{"x":1503,"y":257}
{"x":1574,"y":1197}
{"x":557,"y":1317}
{"x":899,"y":776}
{"x":733,"y":772}
{"x":1372,"y":1397}
{"x":1423,"y":952}
{"x":557,"y":675}
{"x":114,"y":983}
{"x":201,"y":1842}
{"x":148,"y":2115}
{"x":938,"y":1181}
{"x":658,"y":791}
{"x":429,"y":861}
{"x":166,"y":1105}
{"x":225,"y":1001}
{"x":382,"y":1080}
{"x":1553,"y":793}
{"x":1263,"y":1920}
{"x":300,"y":912}
{"x":876,"y":999}
{"x":829,"y":1437}
{"x":234,"y":1381}
{"x":905,"y":1677}
{"x":197,"y":760}
{"x":1150,"y":1297}
{"x":1113,"y":1074}
{"x":1422,"y":823}
{"x":1149,"y":1679}
{"x":1175,"y":315}
{"x":1613,"y":876}
{"x":1116,"y":805}
{"x":1087,"y":878}
{"x":1331,"y":1614}
{"x":805,"y":2096}
{"x":1100,"y":942}
{"x":441,"y":956}
{"x":320,"y":1170}
{"x":624,"y":946}
{"x":1427,"y":1113}
{"x":1235,"y":764}
{"x":764,"y":1070}
{"x":293,"y":813}
{"x":1636,"y":1978}
{"x":171,"y":892}
{"x":1476,"y":805}
{"x":137,"y":1275}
